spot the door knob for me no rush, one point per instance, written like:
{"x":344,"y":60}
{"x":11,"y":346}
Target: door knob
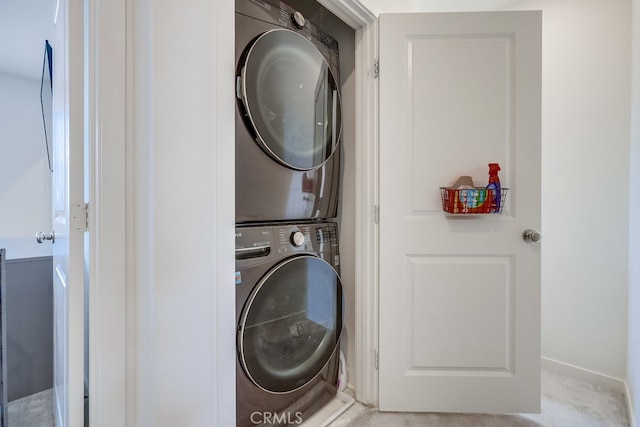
{"x":531,"y":236}
{"x":41,"y":237}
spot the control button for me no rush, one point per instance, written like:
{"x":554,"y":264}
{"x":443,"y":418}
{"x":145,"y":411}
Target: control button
{"x":297,"y":239}
{"x":298,"y":21}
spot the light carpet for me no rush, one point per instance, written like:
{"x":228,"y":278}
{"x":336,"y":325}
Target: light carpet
{"x":35,"y":410}
{"x":566,"y":402}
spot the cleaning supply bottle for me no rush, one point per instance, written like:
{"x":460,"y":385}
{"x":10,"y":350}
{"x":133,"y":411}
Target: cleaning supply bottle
{"x":493,"y":188}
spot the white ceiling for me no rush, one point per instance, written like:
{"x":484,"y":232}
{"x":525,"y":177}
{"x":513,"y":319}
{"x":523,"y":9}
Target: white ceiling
{"x":24,"y":26}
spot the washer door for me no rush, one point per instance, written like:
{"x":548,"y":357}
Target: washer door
{"x":291,"y":99}
{"x":291,"y":324}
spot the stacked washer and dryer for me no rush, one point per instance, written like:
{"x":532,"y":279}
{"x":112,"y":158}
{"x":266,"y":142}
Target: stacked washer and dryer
{"x":289,"y":299}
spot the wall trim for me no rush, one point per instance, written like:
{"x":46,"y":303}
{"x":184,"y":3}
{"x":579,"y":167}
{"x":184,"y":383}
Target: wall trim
{"x":630,"y":409}
{"x":367,"y":198}
{"x":586,"y":375}
{"x":352,"y":12}
{"x":105,"y":124}
{"x":592,"y":377}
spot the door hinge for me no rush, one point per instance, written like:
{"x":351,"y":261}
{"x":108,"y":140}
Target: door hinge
{"x":376,"y":68}
{"x":376,"y":358}
{"x":80,"y":217}
{"x":376,"y":214}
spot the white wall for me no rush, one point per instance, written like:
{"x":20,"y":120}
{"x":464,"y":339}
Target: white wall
{"x":348,"y":223}
{"x":585,"y":149}
{"x":180,"y":151}
{"x":586,"y":86}
{"x":25,"y":181}
{"x":633,"y":355}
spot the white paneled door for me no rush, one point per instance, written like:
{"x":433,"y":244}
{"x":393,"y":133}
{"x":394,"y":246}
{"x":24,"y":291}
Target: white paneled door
{"x":68,"y":166}
{"x":459,"y":295}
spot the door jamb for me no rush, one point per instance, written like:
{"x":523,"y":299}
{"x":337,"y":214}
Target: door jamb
{"x":105,"y":121}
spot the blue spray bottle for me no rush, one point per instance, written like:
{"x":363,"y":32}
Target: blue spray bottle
{"x":493,"y":188}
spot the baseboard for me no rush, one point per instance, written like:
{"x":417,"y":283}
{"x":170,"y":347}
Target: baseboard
{"x":586,"y":375}
{"x":592,"y":377}
{"x":630,"y":408}
{"x":350,"y":389}
{"x":330,"y":411}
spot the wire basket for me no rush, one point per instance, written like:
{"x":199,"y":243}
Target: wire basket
{"x":477,"y":200}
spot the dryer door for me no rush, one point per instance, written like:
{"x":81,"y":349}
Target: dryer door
{"x":291,"y":324}
{"x":291,"y":99}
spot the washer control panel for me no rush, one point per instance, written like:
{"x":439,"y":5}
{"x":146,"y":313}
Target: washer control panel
{"x":294,"y":238}
{"x":289,"y":239}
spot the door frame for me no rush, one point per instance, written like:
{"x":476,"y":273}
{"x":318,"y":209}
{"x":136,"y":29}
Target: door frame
{"x":105,"y":136}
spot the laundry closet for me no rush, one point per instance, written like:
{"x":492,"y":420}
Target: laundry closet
{"x":294,"y":198}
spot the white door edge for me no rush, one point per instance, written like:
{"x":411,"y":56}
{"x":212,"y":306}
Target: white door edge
{"x":366,"y":245}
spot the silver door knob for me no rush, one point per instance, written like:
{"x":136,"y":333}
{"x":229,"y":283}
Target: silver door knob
{"x":531,"y":236}
{"x":41,"y":237}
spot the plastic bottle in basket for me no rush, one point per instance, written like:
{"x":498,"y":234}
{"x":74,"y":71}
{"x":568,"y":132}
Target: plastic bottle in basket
{"x":493,"y":188}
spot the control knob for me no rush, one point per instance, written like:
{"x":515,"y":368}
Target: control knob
{"x":298,"y":20}
{"x":297,"y":238}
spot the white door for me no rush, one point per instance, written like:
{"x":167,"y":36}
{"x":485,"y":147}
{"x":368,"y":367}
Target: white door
{"x":68,"y":264}
{"x":459,"y":295}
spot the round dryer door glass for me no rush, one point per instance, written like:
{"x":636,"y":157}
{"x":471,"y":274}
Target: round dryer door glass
{"x":291,"y":99}
{"x":291,"y":324}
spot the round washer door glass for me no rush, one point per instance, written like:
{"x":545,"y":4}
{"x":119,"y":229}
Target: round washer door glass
{"x":291,"y":324}
{"x":291,"y":99}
